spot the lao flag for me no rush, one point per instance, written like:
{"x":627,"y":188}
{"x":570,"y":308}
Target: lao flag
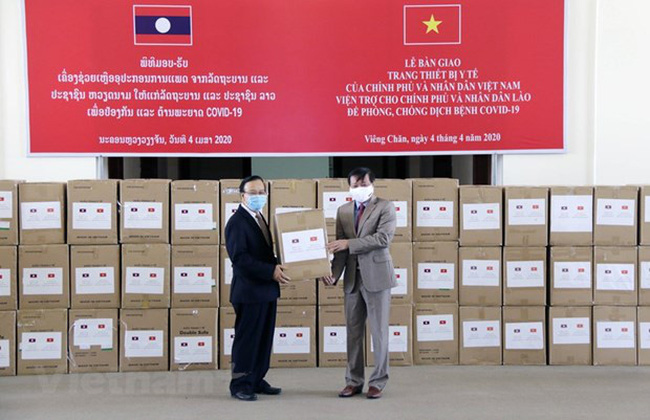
{"x":162,"y":25}
{"x":432,"y":25}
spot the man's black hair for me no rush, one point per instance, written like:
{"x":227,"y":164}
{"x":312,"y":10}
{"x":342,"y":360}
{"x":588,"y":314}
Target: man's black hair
{"x":361,"y":173}
{"x":247,"y":180}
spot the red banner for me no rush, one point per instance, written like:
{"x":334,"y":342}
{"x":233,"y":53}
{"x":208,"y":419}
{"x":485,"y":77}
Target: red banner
{"x":311,"y":77}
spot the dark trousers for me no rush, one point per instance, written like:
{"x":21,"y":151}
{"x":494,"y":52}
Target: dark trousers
{"x":251,"y":348}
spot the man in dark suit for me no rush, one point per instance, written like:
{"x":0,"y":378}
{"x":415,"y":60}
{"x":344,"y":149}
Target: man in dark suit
{"x":254,"y":292}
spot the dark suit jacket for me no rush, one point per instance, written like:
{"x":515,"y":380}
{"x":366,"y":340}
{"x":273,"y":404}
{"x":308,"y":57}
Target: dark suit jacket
{"x":253,"y":261}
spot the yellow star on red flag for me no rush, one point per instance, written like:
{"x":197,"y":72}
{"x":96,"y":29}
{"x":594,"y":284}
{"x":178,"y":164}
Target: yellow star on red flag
{"x":432,"y":24}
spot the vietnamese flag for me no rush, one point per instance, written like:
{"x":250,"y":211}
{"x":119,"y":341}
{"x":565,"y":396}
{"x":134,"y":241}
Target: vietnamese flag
{"x":432,"y":25}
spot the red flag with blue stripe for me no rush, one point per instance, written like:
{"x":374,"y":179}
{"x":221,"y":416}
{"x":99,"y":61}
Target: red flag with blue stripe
{"x":162,"y":25}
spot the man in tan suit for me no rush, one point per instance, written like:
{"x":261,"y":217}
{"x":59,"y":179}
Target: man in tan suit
{"x":364,"y":231}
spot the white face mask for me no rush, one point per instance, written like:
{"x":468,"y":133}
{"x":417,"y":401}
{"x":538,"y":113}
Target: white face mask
{"x":362,"y":194}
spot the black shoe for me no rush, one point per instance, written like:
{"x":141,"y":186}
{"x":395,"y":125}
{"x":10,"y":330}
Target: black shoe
{"x":270,"y":390}
{"x":244,"y":396}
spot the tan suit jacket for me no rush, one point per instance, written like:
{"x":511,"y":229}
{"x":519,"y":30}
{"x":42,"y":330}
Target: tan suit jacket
{"x":369,"y":250}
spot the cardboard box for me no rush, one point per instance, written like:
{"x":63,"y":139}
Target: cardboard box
{"x":524,"y":273}
{"x":44,"y":276}
{"x":400,"y":192}
{"x":145,"y":211}
{"x":436,"y":272}
{"x":298,"y":293}
{"x":615,"y":221}
{"x":332,"y":345}
{"x":225,"y":276}
{"x":643,"y":318}
{"x":195,"y":212}
{"x":144,"y":340}
{"x":92,"y":212}
{"x":480,"y":276}
{"x":331,"y":295}
{"x":332,"y":194}
{"x":42,"y":336}
{"x":8,"y":278}
{"x":195,"y":271}
{"x":572,"y":216}
{"x":95,"y":276}
{"x":480,"y":336}
{"x":227,"y":335}
{"x":570,"y":335}
{"x":92,"y":344}
{"x":571,"y":279}
{"x":480,"y":215}
{"x":526,"y":210}
{"x":194,"y":340}
{"x":145,"y":276}
{"x":644,"y":275}
{"x":400,"y":343}
{"x":435,"y":339}
{"x":615,"y":276}
{"x":614,"y":335}
{"x":294,"y":343}
{"x":435,"y":210}
{"x":644,"y":215}
{"x":300,"y":245}
{"x":229,"y":203}
{"x":9,"y":212}
{"x":524,"y":332}
{"x":7,"y":343}
{"x":42,"y":213}
{"x":290,"y":195}
{"x":402,"y":255}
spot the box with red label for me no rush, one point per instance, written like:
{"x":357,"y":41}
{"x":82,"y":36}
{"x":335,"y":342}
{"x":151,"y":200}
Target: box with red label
{"x":144,"y":214}
{"x":644,"y":275}
{"x":195,"y":212}
{"x":526,"y":210}
{"x":644,"y":215}
{"x":524,"y":335}
{"x":524,"y":276}
{"x":144,"y":340}
{"x":435,"y":210}
{"x":400,"y":341}
{"x":7,"y":343}
{"x":480,"y":335}
{"x":615,"y":220}
{"x":572,"y":216}
{"x":44,"y":279}
{"x":42,"y":337}
{"x":615,"y":276}
{"x":569,"y":335}
{"x":435,"y":266}
{"x":643,"y":326}
{"x":480,"y":276}
{"x":42,"y":213}
{"x":332,"y":345}
{"x":194,"y":338}
{"x":226,"y":335}
{"x":95,"y":276}
{"x":400,"y":192}
{"x":571,"y":279}
{"x":8,"y":278}
{"x":435,"y":331}
{"x":332,"y":194}
{"x":294,"y":342}
{"x":145,"y":276}
{"x":402,"y":255}
{"x":92,"y":212}
{"x":92,"y":343}
{"x":195,"y":271}
{"x":614,"y":335}
{"x":481,"y":216}
{"x":290,"y":195}
{"x":9,"y":212}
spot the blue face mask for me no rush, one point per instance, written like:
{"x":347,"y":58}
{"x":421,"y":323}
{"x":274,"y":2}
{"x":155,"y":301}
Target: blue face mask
{"x":256,"y":202}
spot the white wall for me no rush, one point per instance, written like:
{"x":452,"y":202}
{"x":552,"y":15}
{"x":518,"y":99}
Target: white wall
{"x":14,"y":163}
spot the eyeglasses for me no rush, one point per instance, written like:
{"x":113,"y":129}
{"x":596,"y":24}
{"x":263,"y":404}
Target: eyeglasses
{"x":256,"y":192}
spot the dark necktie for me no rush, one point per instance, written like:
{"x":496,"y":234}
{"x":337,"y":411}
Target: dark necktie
{"x":358,"y":218}
{"x":265,"y":230}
